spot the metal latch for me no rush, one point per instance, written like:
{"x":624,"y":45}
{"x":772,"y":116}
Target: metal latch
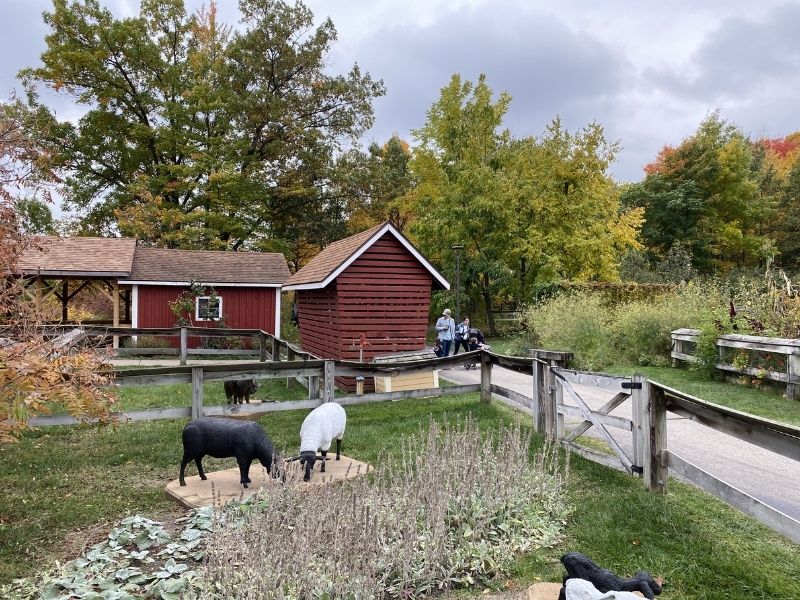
{"x":631,"y":385}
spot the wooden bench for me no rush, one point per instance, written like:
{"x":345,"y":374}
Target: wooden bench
{"x":407,"y":381}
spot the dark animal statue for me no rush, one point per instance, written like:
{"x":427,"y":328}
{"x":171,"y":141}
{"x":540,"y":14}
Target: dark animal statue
{"x":222,"y":438}
{"x":236,"y":391}
{"x":579,"y":566}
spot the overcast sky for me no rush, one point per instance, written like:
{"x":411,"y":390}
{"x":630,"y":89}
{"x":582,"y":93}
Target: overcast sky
{"x":649,"y":71}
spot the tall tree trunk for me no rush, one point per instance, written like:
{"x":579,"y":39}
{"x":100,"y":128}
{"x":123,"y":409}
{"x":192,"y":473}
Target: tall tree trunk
{"x":487,"y":300}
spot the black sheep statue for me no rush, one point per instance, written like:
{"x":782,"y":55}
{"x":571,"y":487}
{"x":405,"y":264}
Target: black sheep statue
{"x":238,"y":390}
{"x":579,"y":566}
{"x":222,"y":438}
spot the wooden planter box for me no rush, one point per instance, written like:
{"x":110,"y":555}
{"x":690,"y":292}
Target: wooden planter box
{"x":401,"y":382}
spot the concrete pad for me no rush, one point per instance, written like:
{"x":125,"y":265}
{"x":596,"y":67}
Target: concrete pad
{"x":548,"y":591}
{"x":544,"y":591}
{"x":223,"y":486}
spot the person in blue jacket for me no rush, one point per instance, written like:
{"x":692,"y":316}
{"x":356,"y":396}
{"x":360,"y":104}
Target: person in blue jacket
{"x":446,"y":328}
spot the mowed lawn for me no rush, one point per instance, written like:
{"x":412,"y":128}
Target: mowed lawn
{"x":64,"y":487}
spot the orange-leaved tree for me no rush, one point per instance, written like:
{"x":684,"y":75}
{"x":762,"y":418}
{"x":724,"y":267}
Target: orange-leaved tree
{"x":35,"y":373}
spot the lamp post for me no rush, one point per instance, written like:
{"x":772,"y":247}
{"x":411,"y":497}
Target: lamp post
{"x":458,"y":248}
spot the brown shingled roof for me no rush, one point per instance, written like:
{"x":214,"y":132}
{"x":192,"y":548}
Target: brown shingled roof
{"x":79,"y":256}
{"x":326,"y":265}
{"x":331,"y":257}
{"x":208,"y":266}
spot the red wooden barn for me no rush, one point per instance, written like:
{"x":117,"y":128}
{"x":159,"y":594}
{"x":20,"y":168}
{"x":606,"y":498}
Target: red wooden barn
{"x":247,"y":287}
{"x":140,"y":282}
{"x":374,"y":284}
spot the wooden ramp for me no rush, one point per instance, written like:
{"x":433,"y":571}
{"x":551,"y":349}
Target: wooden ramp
{"x":223,"y":486}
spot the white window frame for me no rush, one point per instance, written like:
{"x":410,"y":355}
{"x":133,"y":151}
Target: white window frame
{"x":197,"y":300}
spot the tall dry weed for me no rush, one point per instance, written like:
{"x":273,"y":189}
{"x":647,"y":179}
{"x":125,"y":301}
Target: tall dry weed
{"x":451,"y":509}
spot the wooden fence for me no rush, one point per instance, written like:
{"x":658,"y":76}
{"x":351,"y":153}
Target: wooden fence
{"x":648,"y":458}
{"x":684,"y":342}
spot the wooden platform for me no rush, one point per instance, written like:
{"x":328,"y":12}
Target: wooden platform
{"x":223,"y":486}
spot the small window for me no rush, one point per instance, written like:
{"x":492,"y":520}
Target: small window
{"x":208,"y":308}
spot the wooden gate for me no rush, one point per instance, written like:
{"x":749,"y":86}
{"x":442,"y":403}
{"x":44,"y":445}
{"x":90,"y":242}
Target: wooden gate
{"x":600,"y":418}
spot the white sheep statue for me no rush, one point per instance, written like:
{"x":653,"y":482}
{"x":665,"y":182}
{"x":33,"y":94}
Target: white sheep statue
{"x":322,"y":425}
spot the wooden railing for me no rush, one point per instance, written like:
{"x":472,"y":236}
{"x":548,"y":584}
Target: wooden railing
{"x":268,"y":347}
{"x":685,"y":340}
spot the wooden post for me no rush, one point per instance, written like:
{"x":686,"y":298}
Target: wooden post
{"x":313,"y":387}
{"x":290,"y":356}
{"x":39,"y":300}
{"x":639,"y":418}
{"x":276,"y":349}
{"x":559,"y":402}
{"x":486,"y":377}
{"x":197,"y":392}
{"x":677,"y":346}
{"x":262,"y":346}
{"x":654,"y":438}
{"x":115,"y":309}
{"x":548,"y":399}
{"x":793,"y":370}
{"x":65,"y":301}
{"x":184,"y":344}
{"x":538,"y":397}
{"x":327,"y":388}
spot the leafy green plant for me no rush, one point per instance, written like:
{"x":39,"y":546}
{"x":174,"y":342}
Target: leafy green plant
{"x":183,"y":307}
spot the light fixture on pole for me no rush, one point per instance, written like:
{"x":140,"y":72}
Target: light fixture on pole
{"x":458,"y":248}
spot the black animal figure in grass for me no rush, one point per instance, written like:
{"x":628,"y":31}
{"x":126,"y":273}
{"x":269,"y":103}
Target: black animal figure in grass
{"x":223,"y":438}
{"x":580,"y":566}
{"x":239,"y":391}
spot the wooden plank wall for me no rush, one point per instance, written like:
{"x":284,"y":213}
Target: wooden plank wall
{"x":319,"y":323}
{"x":384,"y":295}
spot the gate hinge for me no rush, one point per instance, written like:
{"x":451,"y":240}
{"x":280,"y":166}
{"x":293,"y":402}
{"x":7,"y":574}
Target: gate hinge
{"x":637,"y":469}
{"x":631,"y":385}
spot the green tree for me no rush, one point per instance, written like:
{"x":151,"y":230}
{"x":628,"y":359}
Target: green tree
{"x":525,"y":210}
{"x":197,"y":135}
{"x":459,"y":197}
{"x":788,"y":233}
{"x":568,"y":218}
{"x":705,"y":194}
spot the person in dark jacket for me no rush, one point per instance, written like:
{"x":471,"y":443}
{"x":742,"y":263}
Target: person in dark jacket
{"x":462,"y":335}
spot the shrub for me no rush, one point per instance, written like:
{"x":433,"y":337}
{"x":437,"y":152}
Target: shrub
{"x":452,"y":511}
{"x":641,"y":331}
{"x":577,"y":322}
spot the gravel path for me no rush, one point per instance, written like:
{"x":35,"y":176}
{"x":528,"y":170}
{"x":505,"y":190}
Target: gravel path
{"x":769,"y":477}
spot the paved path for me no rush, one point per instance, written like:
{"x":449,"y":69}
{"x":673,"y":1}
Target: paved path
{"x":773,"y":479}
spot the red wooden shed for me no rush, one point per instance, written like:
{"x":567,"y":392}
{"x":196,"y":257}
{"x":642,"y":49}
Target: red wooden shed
{"x":374,"y":284}
{"x":247,"y":287}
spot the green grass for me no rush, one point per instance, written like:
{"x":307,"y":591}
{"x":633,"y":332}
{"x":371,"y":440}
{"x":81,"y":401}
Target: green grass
{"x":760,"y":402}
{"x":64,"y":485}
{"x":180,"y":394}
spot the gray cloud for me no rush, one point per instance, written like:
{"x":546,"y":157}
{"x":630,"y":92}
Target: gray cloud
{"x":547,"y":68}
{"x":740,"y":57}
{"x":22,"y":35}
